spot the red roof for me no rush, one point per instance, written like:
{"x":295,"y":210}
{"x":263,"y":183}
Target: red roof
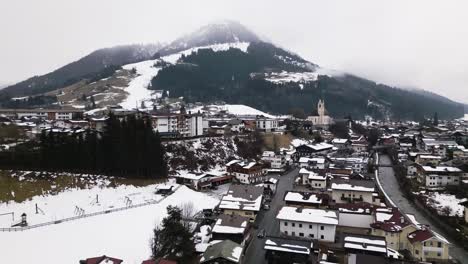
{"x":420,"y":235}
{"x":98,"y":260}
{"x":394,"y":224}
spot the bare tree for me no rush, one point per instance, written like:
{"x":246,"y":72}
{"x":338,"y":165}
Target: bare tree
{"x":188,"y":212}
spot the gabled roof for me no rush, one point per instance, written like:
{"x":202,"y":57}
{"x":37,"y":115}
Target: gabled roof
{"x":101,"y":260}
{"x":353,"y":185}
{"x":242,"y":197}
{"x":390,"y":220}
{"x":308,"y":215}
{"x":288,"y":245}
{"x":230,"y":224}
{"x":420,"y":235}
{"x":225,"y":249}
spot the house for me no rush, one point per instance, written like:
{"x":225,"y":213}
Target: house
{"x":394,"y":226}
{"x":357,"y":164}
{"x":277,"y":161}
{"x":465,"y":210}
{"x":308,"y":223}
{"x":341,"y":143}
{"x":232,"y":227}
{"x":411,"y":169}
{"x":197,"y":181}
{"x":269,"y":186}
{"x":313,"y":149}
{"x":225,"y":252}
{"x":243,"y":200}
{"x":428,"y":159}
{"x":287,"y":250}
{"x":320,"y":117}
{"x":364,"y":244}
{"x":316,"y":163}
{"x":306,"y":199}
{"x":426,"y":245}
{"x":312,"y":179}
{"x":266,"y":124}
{"x":439,"y":176}
{"x":101,"y":260}
{"x":236,"y":125}
{"x":352,"y":191}
{"x":355,"y":218}
{"x":245,"y":171}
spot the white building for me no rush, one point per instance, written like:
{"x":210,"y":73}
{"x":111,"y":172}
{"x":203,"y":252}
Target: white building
{"x":195,"y":125}
{"x":312,"y":163}
{"x":439,"y":176}
{"x":308,"y":223}
{"x":266,"y":124}
{"x":277,"y":161}
{"x":312,"y":179}
{"x":352,"y":191}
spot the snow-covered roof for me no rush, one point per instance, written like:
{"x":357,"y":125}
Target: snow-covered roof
{"x":365,"y":243}
{"x":302,"y":197}
{"x":353,"y":185}
{"x":230,"y":224}
{"x":440,"y":169}
{"x":242,"y":197}
{"x":288,"y":245}
{"x":308,"y":215}
{"x":313,"y":160}
{"x":340,"y":140}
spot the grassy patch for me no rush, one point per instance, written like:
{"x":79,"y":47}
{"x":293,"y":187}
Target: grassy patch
{"x":28,"y":185}
{"x":276,"y":141}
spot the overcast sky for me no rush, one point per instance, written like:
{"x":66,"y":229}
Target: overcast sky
{"x":403,"y":43}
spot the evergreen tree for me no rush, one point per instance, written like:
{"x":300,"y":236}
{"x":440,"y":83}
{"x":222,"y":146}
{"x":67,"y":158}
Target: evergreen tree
{"x":173,"y":240}
{"x":435,"y":121}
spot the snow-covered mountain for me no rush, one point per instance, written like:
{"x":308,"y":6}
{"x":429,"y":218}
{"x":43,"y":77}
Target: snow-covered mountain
{"x":216,"y":33}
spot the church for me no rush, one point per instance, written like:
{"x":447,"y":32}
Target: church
{"x":320,"y":117}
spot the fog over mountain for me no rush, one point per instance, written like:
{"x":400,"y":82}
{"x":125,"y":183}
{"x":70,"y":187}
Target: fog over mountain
{"x":406,"y":43}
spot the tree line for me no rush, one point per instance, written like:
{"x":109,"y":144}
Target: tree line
{"x":126,"y":148}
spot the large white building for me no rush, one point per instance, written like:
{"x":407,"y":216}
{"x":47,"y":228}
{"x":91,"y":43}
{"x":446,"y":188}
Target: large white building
{"x":320,"y":118}
{"x":266,"y":124}
{"x":184,"y":125}
{"x":277,"y":161}
{"x":308,"y":223}
{"x":352,"y":191}
{"x":439,"y":176}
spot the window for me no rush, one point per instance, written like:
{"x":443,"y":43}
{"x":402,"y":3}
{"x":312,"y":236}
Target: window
{"x":293,"y":224}
{"x":439,"y":254}
{"x":301,"y":234}
{"x":311,"y":235}
{"x":416,"y":252}
{"x":285,"y":232}
{"x":426,"y":253}
{"x":310,"y":226}
{"x":293,"y":233}
{"x":285,"y":223}
{"x":322,"y":237}
{"x":300,"y":225}
{"x":322,"y":227}
{"x":439,"y":244}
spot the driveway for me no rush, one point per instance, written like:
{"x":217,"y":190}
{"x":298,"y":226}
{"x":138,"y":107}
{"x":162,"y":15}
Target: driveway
{"x":266,"y":219}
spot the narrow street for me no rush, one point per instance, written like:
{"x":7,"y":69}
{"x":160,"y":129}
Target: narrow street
{"x":266,"y":219}
{"x":390,"y":185}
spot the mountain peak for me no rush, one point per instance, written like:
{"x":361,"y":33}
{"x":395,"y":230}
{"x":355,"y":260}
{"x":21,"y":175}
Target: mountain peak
{"x":224,"y":31}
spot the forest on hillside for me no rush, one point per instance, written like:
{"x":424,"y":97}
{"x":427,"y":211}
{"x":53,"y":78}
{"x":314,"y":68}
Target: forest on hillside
{"x":207,"y":76}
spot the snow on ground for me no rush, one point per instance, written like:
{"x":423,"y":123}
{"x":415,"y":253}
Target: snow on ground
{"x":285,"y":77}
{"x":234,"y":109}
{"x":298,"y":142}
{"x":64,"y":205}
{"x":138,"y":87}
{"x":439,"y":201}
{"x":124,"y":234}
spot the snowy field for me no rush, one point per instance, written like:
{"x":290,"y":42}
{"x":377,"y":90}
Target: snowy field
{"x":446,"y":204}
{"x":234,"y":109}
{"x":124,"y":234}
{"x":138,"y":88}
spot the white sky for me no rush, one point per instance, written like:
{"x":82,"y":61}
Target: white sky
{"x":398,"y":42}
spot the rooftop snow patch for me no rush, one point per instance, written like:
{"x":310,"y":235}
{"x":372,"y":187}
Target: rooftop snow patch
{"x":308,"y":215}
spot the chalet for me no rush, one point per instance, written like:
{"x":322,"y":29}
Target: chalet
{"x":394,"y":226}
{"x":266,"y":124}
{"x":232,"y":227}
{"x":313,"y":149}
{"x":243,"y":200}
{"x":308,"y":223}
{"x":245,"y":172}
{"x":426,"y":245}
{"x":236,"y":125}
{"x":306,"y":199}
{"x":287,"y":250}
{"x":352,"y":191}
{"x":225,"y":252}
{"x":359,"y":145}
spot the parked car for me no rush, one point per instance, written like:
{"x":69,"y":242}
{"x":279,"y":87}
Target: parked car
{"x":261,"y":233}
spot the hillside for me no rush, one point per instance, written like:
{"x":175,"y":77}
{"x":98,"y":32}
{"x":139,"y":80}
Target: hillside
{"x":86,"y":67}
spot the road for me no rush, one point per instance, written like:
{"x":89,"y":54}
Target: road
{"x":266,"y":219}
{"x":390,"y":185}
